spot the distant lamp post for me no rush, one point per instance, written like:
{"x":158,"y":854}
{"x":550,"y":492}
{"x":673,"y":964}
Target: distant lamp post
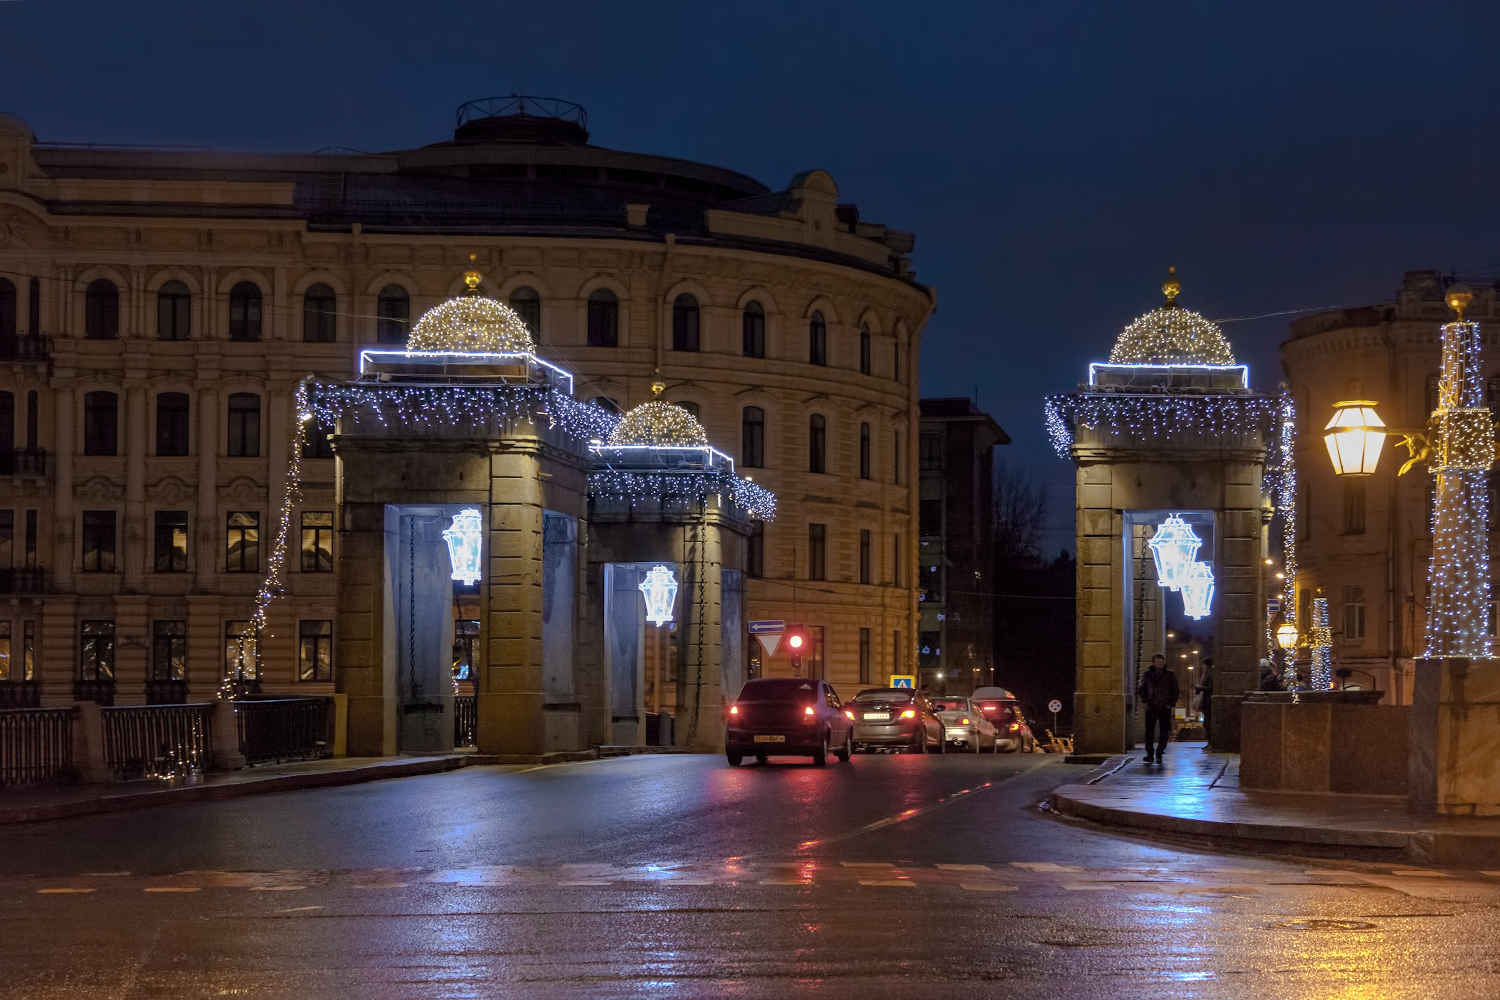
{"x":1355,"y":435}
{"x":1286,"y":636}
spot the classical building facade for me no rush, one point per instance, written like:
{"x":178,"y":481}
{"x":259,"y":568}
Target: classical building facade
{"x":956,"y":555}
{"x":159,"y":307}
{"x":1365,"y":543}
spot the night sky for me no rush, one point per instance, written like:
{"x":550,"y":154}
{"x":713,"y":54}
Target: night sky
{"x":1053,"y":158}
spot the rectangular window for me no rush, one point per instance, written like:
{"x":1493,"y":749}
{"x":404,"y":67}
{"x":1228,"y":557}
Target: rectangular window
{"x":317,"y":541}
{"x":1354,"y":506}
{"x":930,"y":517}
{"x":315,"y":443}
{"x":169,"y":651}
{"x":7,"y":538}
{"x":315,"y":651}
{"x":6,"y":666}
{"x":172,"y":423}
{"x":817,"y":535}
{"x":171,"y":541}
{"x":100,"y":424}
{"x":896,"y":578}
{"x":753,"y":437}
{"x":241,"y":659}
{"x":864,"y":451}
{"x":244,"y":425}
{"x":864,"y":555}
{"x":96,"y":651}
{"x":28,"y":651}
{"x":931,"y":582}
{"x":98,"y":541}
{"x":864,"y":352}
{"x":817,"y":443}
{"x":930,"y":452}
{"x":864,"y":656}
{"x":243,"y":545}
{"x":31,"y":539}
{"x":1354,"y":614}
{"x":755,"y":550}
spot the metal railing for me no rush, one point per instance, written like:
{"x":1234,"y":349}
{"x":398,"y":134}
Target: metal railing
{"x":36,"y":744}
{"x":283,"y":729}
{"x":20,"y":694}
{"x":157,"y":741}
{"x":23,"y":462}
{"x":23,"y":581}
{"x":465,"y":720}
{"x":26,"y":347}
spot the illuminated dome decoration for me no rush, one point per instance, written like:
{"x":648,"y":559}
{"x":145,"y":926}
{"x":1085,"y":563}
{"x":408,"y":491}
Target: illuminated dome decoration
{"x":471,"y":324}
{"x":1172,"y":335}
{"x":658,"y":424}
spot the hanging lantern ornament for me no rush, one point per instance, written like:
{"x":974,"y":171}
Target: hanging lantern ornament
{"x":1174,"y":547}
{"x":1286,"y":636}
{"x":463,"y":538}
{"x":1355,"y":435}
{"x":660,"y":590}
{"x":1198,"y":590}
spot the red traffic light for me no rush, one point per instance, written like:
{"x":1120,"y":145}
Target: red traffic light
{"x":795,"y":642}
{"x":796,"y":638}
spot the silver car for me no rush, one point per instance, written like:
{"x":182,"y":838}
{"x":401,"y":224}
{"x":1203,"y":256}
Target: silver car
{"x":964,"y":725}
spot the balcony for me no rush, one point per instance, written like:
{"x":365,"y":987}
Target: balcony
{"x":28,"y":348}
{"x":23,"y":462}
{"x":23,"y":581}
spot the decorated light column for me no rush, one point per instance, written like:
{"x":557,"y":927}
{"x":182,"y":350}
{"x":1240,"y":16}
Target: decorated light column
{"x":1463,"y":449}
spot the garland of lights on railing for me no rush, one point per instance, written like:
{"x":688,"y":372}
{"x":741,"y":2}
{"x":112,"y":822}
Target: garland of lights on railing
{"x":1158,"y":415}
{"x":637,"y":485}
{"x":453,"y":404}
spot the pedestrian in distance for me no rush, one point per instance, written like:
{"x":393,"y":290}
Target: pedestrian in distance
{"x":1268,"y":679}
{"x":1205,"y":689}
{"x":1159,"y":692}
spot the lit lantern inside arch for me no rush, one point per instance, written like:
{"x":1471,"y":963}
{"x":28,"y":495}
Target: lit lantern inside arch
{"x":660,"y":590}
{"x":1198,"y":590}
{"x":464,"y":538}
{"x":1174,"y":547}
{"x":1355,"y":435}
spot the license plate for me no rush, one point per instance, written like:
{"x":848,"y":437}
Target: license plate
{"x":770,"y":739}
{"x":877,"y":716}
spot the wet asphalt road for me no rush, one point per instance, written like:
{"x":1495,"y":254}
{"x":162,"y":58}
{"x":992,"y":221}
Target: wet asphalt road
{"x":677,"y":876}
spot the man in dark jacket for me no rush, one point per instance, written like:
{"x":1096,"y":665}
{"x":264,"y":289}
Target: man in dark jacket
{"x":1158,"y":691}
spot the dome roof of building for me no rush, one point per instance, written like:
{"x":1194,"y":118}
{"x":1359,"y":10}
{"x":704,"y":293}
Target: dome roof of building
{"x":1172,"y":335}
{"x":471,"y":324}
{"x":658,"y":423}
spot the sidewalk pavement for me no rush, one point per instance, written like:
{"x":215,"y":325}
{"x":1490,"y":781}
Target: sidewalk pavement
{"x":33,"y":804}
{"x":1197,"y":795}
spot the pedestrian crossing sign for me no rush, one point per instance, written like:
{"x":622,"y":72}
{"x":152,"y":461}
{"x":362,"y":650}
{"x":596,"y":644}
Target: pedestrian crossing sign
{"x":903,"y":680}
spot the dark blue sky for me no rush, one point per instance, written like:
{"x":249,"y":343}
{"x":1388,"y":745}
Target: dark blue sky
{"x":1052,"y":158}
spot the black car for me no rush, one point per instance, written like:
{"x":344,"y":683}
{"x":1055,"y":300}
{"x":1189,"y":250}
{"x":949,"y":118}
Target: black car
{"x":788,"y":717}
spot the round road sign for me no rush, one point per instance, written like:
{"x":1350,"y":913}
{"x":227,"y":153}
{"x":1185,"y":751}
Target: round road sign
{"x":1054,"y":706}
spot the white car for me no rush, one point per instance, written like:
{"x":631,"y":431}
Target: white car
{"x":965,"y":726}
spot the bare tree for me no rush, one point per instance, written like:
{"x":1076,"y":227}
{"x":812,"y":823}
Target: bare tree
{"x":1020,"y":516}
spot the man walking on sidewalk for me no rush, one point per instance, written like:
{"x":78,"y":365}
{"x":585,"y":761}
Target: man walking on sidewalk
{"x":1158,"y":691}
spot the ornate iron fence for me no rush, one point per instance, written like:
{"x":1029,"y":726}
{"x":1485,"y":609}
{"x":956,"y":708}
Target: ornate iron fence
{"x":36,"y":744}
{"x":158,"y":741}
{"x":465,"y":720}
{"x":283,"y":729}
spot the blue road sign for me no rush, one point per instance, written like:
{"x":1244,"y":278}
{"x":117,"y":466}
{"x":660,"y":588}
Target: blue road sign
{"x":767,"y":627}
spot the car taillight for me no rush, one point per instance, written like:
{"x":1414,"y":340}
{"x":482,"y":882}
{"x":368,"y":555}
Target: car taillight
{"x":988,"y":709}
{"x":734,"y":710}
{"x":910,"y":713}
{"x":848,"y":713}
{"x":963,"y":722}
{"x":1015,"y":727}
{"x":808,"y":710}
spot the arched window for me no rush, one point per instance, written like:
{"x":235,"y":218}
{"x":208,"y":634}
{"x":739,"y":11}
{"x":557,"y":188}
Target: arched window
{"x":244,"y":425}
{"x":864,"y":350}
{"x":101,"y":310}
{"x":688,"y":405}
{"x":864,"y":451}
{"x":817,"y":443}
{"x":604,"y":318}
{"x":244,"y":311}
{"x":754,"y":322}
{"x":319,"y":315}
{"x":817,"y":340}
{"x":528,"y":305}
{"x":173,"y":311}
{"x":7,"y":319}
{"x":753,"y":437}
{"x":1430,"y":398}
{"x":392,"y":315}
{"x":172,"y":423}
{"x":685,"y":323}
{"x":605,"y":403}
{"x":101,"y":423}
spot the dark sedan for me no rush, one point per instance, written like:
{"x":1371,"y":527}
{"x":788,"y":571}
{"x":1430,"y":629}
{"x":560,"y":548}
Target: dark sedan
{"x":788,"y":717}
{"x":897,"y":719}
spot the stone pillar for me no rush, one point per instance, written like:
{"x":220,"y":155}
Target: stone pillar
{"x":360,"y":625}
{"x":205,"y":640}
{"x":132,"y":647}
{"x":511,"y":686}
{"x":57,"y":652}
{"x":1099,"y":703}
{"x":1240,"y":580}
{"x":562,"y":722}
{"x":1454,"y":734}
{"x":698,"y":722}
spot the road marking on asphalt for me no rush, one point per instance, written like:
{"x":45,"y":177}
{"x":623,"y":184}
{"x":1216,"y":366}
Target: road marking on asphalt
{"x":172,"y":888}
{"x":1088,"y":886}
{"x":687,"y":881}
{"x":276,"y":888}
{"x":383,"y":885}
{"x":582,"y":882}
{"x":963,"y":868}
{"x":1420,"y":873}
{"x":890,"y":881}
{"x":299,"y":909}
{"x":50,"y":891}
{"x":988,"y":887}
{"x":1045,"y":866}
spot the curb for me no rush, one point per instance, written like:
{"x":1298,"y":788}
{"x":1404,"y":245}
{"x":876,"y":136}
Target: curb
{"x":143,"y":799}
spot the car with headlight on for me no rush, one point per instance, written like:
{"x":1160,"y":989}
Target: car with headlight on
{"x":788,"y":717}
{"x":895,"y":719}
{"x":965,"y":727}
{"x":1003,"y":710}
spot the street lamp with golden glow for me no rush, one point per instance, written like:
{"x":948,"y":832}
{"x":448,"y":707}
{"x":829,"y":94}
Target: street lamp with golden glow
{"x":1286,"y":636}
{"x":1355,"y":435}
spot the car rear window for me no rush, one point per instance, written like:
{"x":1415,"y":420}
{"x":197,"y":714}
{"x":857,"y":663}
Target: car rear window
{"x":779,"y":689}
{"x":886,"y":694}
{"x":950,"y":705}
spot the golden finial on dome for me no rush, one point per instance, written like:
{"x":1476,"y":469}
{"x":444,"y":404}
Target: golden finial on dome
{"x":472,"y":278}
{"x":1171,"y":286}
{"x":1459,"y":298}
{"x":657,"y":385}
